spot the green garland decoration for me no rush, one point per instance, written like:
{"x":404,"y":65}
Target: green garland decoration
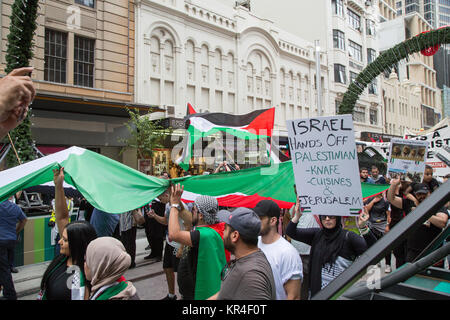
{"x":387,"y":60}
{"x":19,"y":54}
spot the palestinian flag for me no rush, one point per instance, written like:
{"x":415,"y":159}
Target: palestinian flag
{"x":255,"y":125}
{"x":190,"y":110}
{"x":245,"y":188}
{"x":210,"y":261}
{"x":116,"y":188}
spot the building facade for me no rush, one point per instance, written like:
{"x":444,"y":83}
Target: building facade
{"x":418,"y":71}
{"x":437,"y":14}
{"x":446,"y":101}
{"x":402,"y":101}
{"x":222,"y":58}
{"x":84,"y":74}
{"x":347,"y":31}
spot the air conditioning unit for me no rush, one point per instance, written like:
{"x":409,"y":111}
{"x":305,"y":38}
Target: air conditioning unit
{"x":170,"y":111}
{"x":368,"y":3}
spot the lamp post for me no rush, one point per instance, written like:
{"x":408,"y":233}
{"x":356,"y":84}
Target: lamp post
{"x":318,"y":78}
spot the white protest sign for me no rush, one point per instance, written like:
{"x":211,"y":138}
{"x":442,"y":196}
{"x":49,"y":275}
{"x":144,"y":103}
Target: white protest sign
{"x":407,"y":157}
{"x":438,"y":154}
{"x":325,"y":164}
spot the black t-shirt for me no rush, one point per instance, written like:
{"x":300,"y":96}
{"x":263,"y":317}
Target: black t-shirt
{"x":424,"y":235}
{"x":187,"y":268}
{"x":57,"y":288}
{"x":408,"y":205}
{"x":397,"y":214}
{"x":88,"y":208}
{"x":433,"y":184}
{"x":157,"y":230}
{"x":378,"y":211}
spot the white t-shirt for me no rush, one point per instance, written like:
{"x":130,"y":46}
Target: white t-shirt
{"x":285,"y":262}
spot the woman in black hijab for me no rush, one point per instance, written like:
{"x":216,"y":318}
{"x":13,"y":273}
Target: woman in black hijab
{"x":333,"y":249}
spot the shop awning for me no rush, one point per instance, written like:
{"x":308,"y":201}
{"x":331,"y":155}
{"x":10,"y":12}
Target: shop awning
{"x":88,"y":105}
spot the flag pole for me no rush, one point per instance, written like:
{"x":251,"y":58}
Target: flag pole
{"x":14,"y":148}
{"x":318,"y":78}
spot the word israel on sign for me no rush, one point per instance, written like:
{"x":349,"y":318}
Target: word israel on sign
{"x":407,"y":159}
{"x":325,"y":164}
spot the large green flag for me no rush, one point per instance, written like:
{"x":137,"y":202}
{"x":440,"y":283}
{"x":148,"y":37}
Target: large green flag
{"x":116,"y":188}
{"x":245,"y":188}
{"x":107,"y":184}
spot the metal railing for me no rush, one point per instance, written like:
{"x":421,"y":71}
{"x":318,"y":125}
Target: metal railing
{"x":387,"y":243}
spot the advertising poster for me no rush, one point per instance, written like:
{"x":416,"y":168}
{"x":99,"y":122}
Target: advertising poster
{"x":438,"y":139}
{"x":407,"y":158}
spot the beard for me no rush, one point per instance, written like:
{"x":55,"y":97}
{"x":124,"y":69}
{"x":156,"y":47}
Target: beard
{"x":265,"y":227}
{"x":228,"y":245}
{"x":264,"y":230}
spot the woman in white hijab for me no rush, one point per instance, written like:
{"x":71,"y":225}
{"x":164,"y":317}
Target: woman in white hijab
{"x":106,"y":262}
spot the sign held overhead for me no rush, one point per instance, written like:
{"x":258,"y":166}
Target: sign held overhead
{"x":325,"y":164}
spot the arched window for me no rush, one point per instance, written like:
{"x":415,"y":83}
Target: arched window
{"x":155,"y":55}
{"x":218,"y":67}
{"x":169,"y":52}
{"x":291,"y":86}
{"x":230,"y":70}
{"x":190,"y":61}
{"x":204,"y":56}
{"x":169,"y":73}
{"x":282,"y":85}
{"x":259,"y":81}
{"x":163,"y":68}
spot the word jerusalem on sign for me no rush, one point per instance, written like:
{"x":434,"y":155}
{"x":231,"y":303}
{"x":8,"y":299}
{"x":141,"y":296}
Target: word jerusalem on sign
{"x":325,"y":164}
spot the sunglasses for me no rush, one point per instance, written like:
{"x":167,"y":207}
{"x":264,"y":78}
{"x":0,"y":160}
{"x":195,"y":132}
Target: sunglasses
{"x":329,"y":217}
{"x":226,"y":269}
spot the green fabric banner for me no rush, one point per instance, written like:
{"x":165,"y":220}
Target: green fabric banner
{"x":116,"y":188}
{"x":211,"y":260}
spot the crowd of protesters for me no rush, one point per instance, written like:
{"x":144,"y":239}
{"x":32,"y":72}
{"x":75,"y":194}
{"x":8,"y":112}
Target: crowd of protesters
{"x":218,"y":253}
{"x":213,"y":253}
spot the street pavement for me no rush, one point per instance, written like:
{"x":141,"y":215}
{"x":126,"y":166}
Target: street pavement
{"x":148,"y":276}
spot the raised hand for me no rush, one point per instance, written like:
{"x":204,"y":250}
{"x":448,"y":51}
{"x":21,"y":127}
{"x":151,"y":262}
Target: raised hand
{"x":16,"y":94}
{"x":176,"y":192}
{"x":363,"y":218}
{"x":297,"y":211}
{"x":58,"y":177}
{"x":396,"y":180}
